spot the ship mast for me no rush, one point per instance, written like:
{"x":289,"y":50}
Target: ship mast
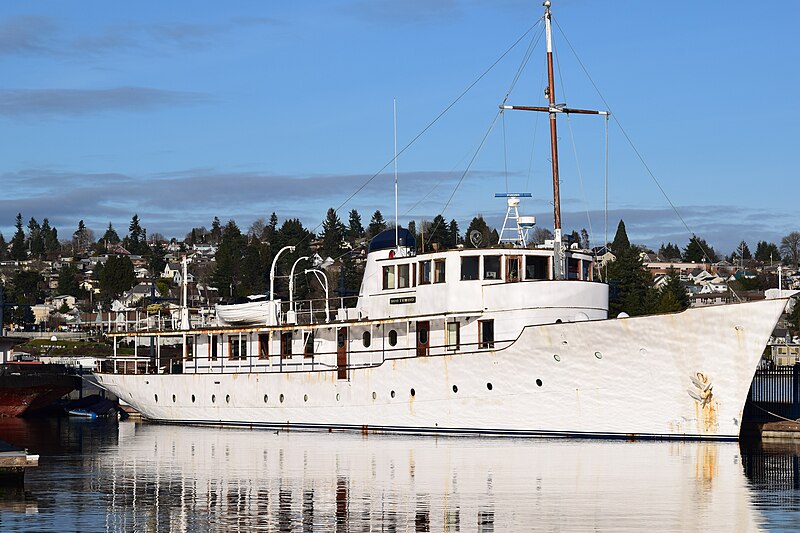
{"x":559,"y":268}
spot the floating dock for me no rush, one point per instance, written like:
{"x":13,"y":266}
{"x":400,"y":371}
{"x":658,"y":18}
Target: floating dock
{"x":14,"y":462}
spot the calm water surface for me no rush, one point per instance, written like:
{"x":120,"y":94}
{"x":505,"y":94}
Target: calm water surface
{"x":133,"y":476}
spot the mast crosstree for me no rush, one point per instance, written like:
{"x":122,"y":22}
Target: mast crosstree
{"x":554,"y":109}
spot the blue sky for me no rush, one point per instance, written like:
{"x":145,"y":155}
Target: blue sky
{"x":181,"y":111}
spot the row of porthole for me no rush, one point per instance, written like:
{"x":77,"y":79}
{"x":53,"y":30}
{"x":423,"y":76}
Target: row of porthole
{"x":281,"y":398}
{"x":598,"y":355}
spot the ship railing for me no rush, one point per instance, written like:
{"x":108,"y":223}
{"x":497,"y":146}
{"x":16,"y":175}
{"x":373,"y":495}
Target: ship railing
{"x":284,"y":363}
{"x":318,"y":311}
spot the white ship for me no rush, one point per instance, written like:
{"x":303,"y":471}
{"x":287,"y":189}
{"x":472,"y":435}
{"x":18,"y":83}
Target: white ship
{"x":501,"y":341}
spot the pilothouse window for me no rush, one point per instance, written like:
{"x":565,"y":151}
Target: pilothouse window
{"x":536,"y":267}
{"x":491,"y":267}
{"x":424,"y":272}
{"x":469,"y":268}
{"x":438,"y":271}
{"x":403,"y":278}
{"x":388,"y":277}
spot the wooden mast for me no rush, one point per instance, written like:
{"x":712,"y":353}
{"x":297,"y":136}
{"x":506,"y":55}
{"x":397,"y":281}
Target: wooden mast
{"x":559,"y":268}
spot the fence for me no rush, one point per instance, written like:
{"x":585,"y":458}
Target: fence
{"x":776,"y":390}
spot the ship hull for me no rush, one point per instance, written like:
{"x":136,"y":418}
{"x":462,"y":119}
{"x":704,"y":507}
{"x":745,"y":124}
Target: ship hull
{"x":676,"y":376}
{"x":26,"y":387}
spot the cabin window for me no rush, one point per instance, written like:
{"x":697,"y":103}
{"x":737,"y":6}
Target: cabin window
{"x":393,"y":338}
{"x":308,"y":349}
{"x":573,"y":268}
{"x":403,"y":276}
{"x":424,"y":272}
{"x":366,"y":338}
{"x":512,"y":268}
{"x":213,"y":346}
{"x":469,"y":268}
{"x":388,"y":277}
{"x":438,"y":271}
{"x":486,"y":333}
{"x":237,"y":348}
{"x":587,"y":270}
{"x":491,"y":267}
{"x":536,"y":267}
{"x":286,"y":344}
{"x":452,"y":336}
{"x":263,"y":345}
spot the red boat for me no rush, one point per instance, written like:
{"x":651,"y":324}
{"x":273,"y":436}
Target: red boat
{"x":28,"y":386}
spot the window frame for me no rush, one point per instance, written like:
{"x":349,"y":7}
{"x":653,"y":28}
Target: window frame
{"x":453,"y":346}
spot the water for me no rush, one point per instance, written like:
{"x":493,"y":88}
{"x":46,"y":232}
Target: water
{"x":133,"y":476}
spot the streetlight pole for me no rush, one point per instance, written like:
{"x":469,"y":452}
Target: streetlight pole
{"x":273,"y":312}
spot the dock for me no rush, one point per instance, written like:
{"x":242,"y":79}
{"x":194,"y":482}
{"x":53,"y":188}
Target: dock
{"x":14,"y":462}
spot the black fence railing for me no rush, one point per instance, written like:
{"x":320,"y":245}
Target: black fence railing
{"x":774,"y":391}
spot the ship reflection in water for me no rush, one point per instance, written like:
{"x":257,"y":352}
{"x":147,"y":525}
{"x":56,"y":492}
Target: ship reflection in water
{"x":137,"y":476}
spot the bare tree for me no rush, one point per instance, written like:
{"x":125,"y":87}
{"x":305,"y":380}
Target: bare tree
{"x":540,"y":235}
{"x":790,"y":247}
{"x":257,"y":228}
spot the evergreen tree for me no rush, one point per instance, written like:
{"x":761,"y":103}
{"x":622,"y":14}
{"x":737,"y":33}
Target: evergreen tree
{"x":376,"y":225}
{"x":439,"y":234}
{"x":227,"y":271}
{"x":69,"y":281}
{"x":81,"y":238}
{"x":3,"y":248}
{"x":271,"y":230}
{"x":355,"y":230}
{"x":156,"y":258}
{"x":333,"y":232}
{"x":50,"y":235}
{"x":111,"y":236}
{"x":767,"y":252}
{"x":453,"y":234}
{"x":620,"y":241}
{"x":698,"y":251}
{"x":116,"y":277}
{"x":136,"y":240}
{"x":18,"y":251}
{"x":673,"y":297}
{"x":670,"y":251}
{"x":216,"y":230}
{"x":35,"y":239}
{"x":485,"y":233}
{"x":630,"y":284}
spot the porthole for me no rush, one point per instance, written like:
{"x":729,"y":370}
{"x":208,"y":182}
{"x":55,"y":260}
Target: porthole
{"x":280,"y":398}
{"x":173,"y":398}
{"x":489,"y":386}
{"x":374,"y":395}
{"x":337,"y":396}
{"x":213,"y":398}
{"x":391,"y":394}
{"x":392,"y":338}
{"x":366,"y":338}
{"x":557,"y":357}
{"x":539,"y":382}
{"x":455,"y":388}
{"x":192,"y":398}
{"x":156,"y":397}
{"x":423,"y":336}
{"x":598,"y":355}
{"x":266,"y":398}
{"x":558,"y":321}
{"x":305,"y":397}
{"x":413,"y":392}
{"x":227,"y":398}
{"x":340,"y":339}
